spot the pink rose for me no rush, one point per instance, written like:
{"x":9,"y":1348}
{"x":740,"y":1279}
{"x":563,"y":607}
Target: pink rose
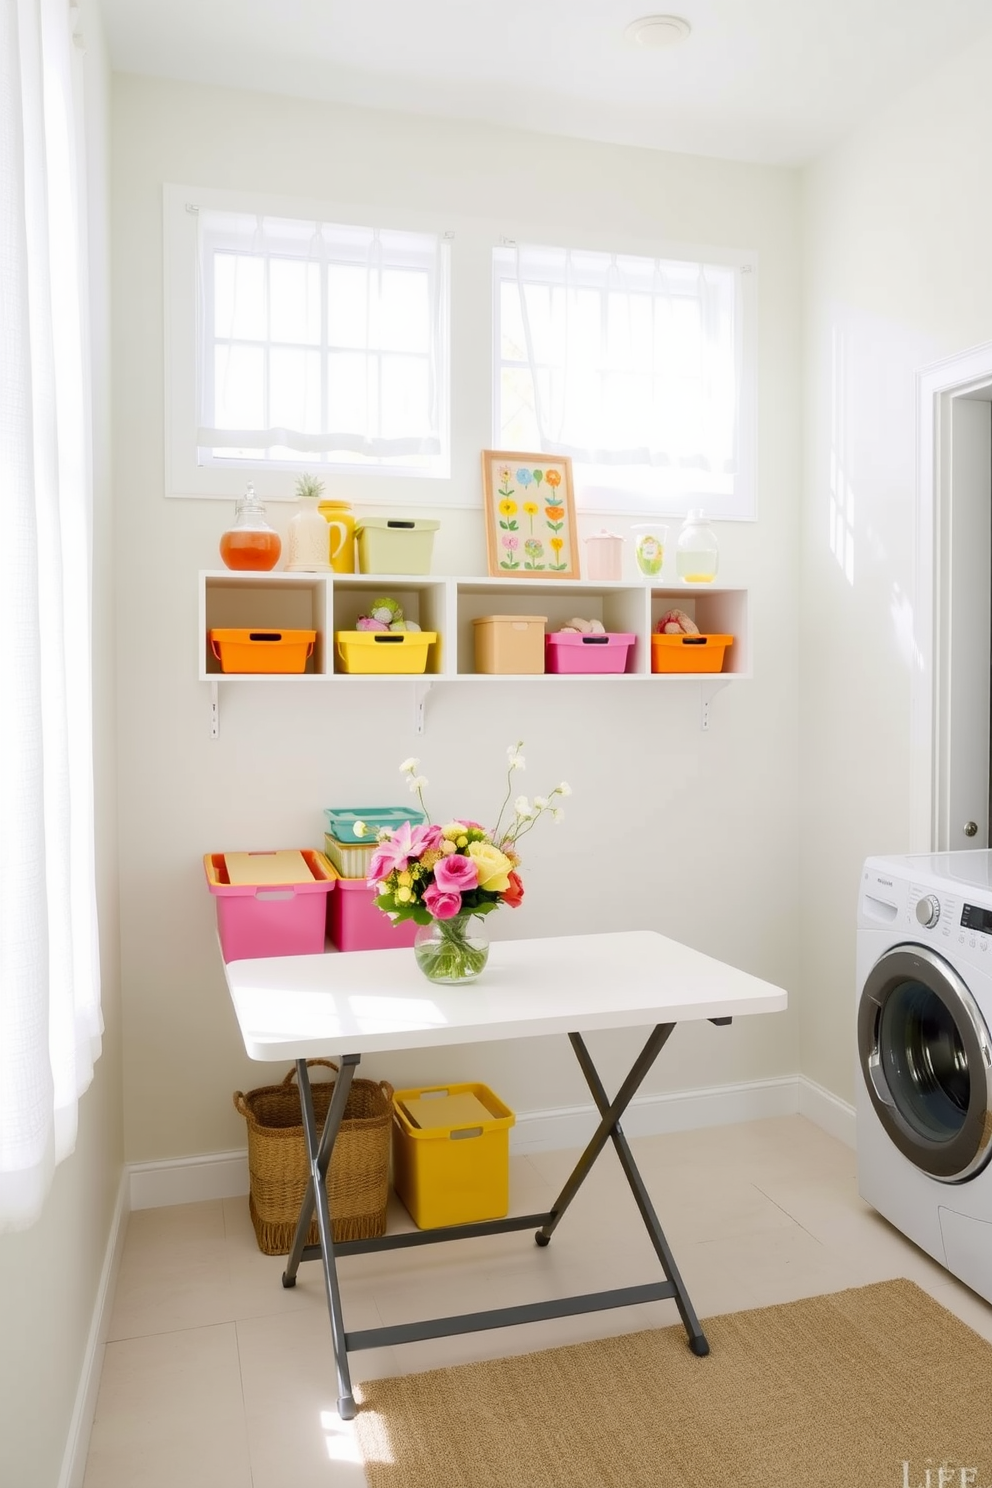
{"x":441,"y":905}
{"x":455,"y":873}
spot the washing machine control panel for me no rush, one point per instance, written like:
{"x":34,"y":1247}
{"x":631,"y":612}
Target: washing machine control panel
{"x":974,"y":917}
{"x":928,"y":910}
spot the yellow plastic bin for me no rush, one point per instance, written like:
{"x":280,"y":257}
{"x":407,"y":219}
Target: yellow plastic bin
{"x":384,"y":651}
{"x":451,"y":1154}
{"x":395,"y":545}
{"x":509,"y":643}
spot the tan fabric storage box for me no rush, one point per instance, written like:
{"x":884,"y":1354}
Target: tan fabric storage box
{"x":509,"y":643}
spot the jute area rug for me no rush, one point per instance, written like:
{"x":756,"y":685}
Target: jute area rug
{"x":877,"y":1387}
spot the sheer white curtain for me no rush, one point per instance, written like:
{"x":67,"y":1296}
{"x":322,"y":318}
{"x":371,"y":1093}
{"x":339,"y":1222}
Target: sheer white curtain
{"x":50,"y":1021}
{"x":627,"y":360}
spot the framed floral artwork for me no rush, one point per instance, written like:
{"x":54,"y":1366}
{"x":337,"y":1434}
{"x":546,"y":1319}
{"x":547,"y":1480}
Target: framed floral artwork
{"x":530,"y":516}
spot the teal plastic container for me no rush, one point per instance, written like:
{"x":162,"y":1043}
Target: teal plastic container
{"x":351,"y":852}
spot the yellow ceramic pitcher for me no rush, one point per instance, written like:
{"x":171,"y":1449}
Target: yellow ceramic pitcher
{"x":341,"y":521}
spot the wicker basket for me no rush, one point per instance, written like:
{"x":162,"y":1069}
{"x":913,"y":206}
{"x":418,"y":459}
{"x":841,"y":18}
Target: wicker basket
{"x":278,"y":1167}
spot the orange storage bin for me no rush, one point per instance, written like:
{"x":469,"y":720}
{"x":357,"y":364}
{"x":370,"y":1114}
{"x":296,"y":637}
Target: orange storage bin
{"x":262,"y":650}
{"x":689,"y":653}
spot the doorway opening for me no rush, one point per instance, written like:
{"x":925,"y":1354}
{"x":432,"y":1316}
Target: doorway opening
{"x":952,"y":704}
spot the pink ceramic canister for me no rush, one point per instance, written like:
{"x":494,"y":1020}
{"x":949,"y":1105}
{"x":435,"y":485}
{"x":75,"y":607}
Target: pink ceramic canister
{"x":604,"y":556}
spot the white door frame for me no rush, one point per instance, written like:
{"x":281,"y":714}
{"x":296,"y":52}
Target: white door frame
{"x":935,"y":384}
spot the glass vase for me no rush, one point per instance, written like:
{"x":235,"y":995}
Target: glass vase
{"x":250,"y":544}
{"x":697,"y":554}
{"x":451,"y":951}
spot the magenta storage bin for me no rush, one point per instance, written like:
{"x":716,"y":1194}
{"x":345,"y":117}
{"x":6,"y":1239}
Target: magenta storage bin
{"x":271,"y":919}
{"x":573,"y":652}
{"x":356,"y":924}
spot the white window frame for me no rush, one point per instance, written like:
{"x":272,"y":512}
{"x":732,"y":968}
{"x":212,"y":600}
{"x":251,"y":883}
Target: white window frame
{"x":654,"y":490}
{"x":187,"y":472}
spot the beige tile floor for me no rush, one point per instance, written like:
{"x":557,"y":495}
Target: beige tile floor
{"x":216,"y":1377}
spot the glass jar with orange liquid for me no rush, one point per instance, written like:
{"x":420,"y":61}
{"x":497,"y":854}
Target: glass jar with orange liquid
{"x":251,"y":544}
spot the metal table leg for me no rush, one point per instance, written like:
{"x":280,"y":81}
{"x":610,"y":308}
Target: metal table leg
{"x":609,"y":1129}
{"x":319,"y":1148}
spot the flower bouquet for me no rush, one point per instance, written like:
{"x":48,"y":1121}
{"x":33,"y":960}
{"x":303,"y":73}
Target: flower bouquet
{"x":443,"y":877}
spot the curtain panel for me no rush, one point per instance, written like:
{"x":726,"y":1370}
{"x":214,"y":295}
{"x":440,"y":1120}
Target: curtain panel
{"x":50,"y":1020}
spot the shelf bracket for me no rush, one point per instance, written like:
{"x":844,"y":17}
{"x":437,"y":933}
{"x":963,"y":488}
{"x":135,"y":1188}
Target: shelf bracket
{"x":420,"y":691}
{"x":214,"y":712}
{"x":707,"y":692}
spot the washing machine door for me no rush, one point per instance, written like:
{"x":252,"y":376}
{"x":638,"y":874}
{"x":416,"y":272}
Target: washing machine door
{"x":926,"y":1057}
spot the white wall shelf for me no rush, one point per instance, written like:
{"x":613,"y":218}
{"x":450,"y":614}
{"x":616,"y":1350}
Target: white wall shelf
{"x":330,"y":602}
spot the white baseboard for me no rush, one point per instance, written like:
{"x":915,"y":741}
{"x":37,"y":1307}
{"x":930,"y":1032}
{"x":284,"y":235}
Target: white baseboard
{"x":834,"y":1115}
{"x":653,"y":1115}
{"x":188,"y":1180}
{"x":224,"y":1175}
{"x":84,"y":1409}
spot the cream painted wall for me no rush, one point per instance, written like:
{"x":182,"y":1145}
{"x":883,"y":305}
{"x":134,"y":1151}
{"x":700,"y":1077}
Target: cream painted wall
{"x":50,"y":1274}
{"x":691,"y":833}
{"x":897,"y":231}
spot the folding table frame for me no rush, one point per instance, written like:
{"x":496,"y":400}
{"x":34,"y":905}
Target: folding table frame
{"x":320,"y":1146}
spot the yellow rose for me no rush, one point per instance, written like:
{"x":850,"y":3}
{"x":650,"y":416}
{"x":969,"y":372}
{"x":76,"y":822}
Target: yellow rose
{"x":453,"y":830}
{"x":493,"y":866}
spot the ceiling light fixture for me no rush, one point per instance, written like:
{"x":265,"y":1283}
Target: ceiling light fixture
{"x":658,"y":31}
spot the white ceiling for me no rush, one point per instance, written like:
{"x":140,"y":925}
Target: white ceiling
{"x":767,"y":80}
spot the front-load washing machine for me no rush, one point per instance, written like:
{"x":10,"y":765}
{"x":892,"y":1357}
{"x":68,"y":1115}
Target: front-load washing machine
{"x":924,"y":1090}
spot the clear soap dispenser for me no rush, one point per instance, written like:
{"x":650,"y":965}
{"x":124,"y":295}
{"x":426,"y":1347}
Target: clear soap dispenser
{"x":697,"y":554}
{"x":250,"y":544}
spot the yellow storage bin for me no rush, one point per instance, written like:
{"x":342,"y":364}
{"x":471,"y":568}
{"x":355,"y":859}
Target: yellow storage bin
{"x":384,"y":651}
{"x":509,"y":643}
{"x":451,"y":1154}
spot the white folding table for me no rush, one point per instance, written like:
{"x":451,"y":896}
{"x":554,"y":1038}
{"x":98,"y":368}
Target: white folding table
{"x":365,"y":1002}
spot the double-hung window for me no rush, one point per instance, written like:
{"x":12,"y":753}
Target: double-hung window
{"x":640,"y":369}
{"x":316,"y":345}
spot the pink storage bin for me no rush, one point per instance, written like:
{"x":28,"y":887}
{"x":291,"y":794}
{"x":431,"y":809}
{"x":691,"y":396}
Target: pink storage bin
{"x":573,"y":652}
{"x":271,"y":919}
{"x":356,"y":924}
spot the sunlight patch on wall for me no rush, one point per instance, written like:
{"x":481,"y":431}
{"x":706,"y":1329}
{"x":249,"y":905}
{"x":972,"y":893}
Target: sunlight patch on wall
{"x":841,"y":492}
{"x":901,"y":611}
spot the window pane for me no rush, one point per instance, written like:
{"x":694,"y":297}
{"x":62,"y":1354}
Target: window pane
{"x":294,"y":390}
{"x":584,"y":328}
{"x":678,"y":331}
{"x":404,"y":310}
{"x":629,"y":337}
{"x":518,"y":422}
{"x":347,"y":306}
{"x":294,"y":301}
{"x":239,"y":296}
{"x":513,"y":342}
{"x":537,"y":300}
{"x":351,"y":393}
{"x":239,"y":387}
{"x":404,"y":412}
